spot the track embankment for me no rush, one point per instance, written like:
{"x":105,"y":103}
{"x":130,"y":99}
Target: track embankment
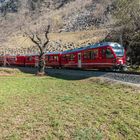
{"x":70,"y":74}
{"x":80,"y":74}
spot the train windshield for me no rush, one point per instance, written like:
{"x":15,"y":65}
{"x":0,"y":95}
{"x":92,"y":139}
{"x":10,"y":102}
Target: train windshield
{"x":118,"y":49}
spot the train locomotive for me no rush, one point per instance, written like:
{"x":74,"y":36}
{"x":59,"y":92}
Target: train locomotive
{"x":105,"y":55}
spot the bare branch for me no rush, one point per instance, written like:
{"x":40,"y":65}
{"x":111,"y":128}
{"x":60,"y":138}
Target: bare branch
{"x":47,"y":31}
{"x":46,"y":35}
{"x":38,"y":38}
{"x":32,"y":38}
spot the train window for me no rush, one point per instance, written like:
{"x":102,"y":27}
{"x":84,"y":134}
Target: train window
{"x":67,"y":56}
{"x":86,"y":55}
{"x":12,"y":59}
{"x":71,"y":57}
{"x":47,"y":58}
{"x":55,"y":58}
{"x":119,"y":52}
{"x":96,"y":53}
{"x":51,"y":58}
{"x":91,"y":55}
{"x":109,"y":54}
{"x":103,"y":52}
{"x":64,"y":58}
{"x":29,"y":58}
{"x":79,"y":57}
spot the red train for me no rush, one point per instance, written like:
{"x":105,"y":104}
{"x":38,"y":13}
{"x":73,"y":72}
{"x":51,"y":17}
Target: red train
{"x":106,"y":55}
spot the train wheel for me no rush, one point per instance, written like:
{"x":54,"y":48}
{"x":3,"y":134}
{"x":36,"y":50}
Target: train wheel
{"x":124,"y":68}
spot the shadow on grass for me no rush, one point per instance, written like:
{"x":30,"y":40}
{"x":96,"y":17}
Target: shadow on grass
{"x":26,"y":70}
{"x":67,"y":77}
{"x":71,"y":74}
{"x":65,"y":74}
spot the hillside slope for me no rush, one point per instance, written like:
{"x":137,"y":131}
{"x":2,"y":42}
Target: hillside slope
{"x":68,"y":16}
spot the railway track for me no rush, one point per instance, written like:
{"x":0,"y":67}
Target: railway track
{"x":129,"y":77}
{"x":121,"y":72}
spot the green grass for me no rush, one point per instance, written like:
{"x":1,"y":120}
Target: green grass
{"x":48,"y":108}
{"x":134,"y":70}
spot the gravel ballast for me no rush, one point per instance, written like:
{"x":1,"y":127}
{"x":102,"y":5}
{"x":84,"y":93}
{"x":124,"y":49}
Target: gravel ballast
{"x":79,"y":74}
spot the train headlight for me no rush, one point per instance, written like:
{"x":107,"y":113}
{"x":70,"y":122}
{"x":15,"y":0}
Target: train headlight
{"x":121,"y":62}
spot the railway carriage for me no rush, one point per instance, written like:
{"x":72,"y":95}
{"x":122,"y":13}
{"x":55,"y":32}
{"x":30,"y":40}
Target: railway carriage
{"x":31,"y":60}
{"x":1,"y":60}
{"x":8,"y":60}
{"x":105,"y":55}
{"x":71,"y":58}
{"x":20,"y":60}
{"x":53,"y":59}
{"x":11,"y":60}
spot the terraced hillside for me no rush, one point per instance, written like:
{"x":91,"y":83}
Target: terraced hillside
{"x":59,"y":41}
{"x":72,"y":21}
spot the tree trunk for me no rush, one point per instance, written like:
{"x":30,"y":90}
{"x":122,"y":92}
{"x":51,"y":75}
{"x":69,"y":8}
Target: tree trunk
{"x":42,"y":47}
{"x":41,"y":66}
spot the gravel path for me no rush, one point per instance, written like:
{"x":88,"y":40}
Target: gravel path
{"x":79,"y":74}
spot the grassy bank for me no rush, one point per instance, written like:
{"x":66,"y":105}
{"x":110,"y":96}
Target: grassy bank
{"x":49,"y":109}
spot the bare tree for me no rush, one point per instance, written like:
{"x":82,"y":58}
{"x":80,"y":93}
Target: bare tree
{"x":42,"y":45}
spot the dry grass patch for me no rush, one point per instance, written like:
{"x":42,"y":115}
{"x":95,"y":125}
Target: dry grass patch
{"x":9,"y":71}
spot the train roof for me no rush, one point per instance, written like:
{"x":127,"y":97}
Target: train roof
{"x":49,"y":53}
{"x":74,"y":50}
{"x":96,"y":45}
{"x":103,"y":44}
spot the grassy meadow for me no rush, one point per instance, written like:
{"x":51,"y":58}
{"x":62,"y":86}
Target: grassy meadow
{"x":48,"y":108}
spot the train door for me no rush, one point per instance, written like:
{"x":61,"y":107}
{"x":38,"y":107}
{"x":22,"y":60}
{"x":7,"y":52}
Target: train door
{"x":102,"y":56}
{"x":109,"y":57}
{"x":106,"y":56}
{"x":79,"y":60}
